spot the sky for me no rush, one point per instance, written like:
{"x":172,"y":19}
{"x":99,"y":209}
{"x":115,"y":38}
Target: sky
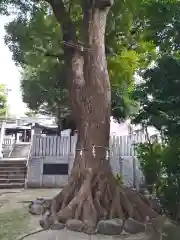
{"x":10,"y":75}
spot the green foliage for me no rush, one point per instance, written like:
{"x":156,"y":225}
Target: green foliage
{"x":159,"y":96}
{"x":169,"y":192}
{"x":150,"y":158}
{"x":164,"y":24}
{"x":120,"y":179}
{"x":34,"y":39}
{"x":3,"y":100}
{"x":36,"y":48}
{"x":134,"y":31}
{"x":160,"y":165}
{"x":44,"y":91}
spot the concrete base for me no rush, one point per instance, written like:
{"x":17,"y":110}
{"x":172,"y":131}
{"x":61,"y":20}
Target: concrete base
{"x":36,"y":178}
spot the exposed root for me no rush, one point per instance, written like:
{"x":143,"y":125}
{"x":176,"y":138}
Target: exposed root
{"x":127,"y":206}
{"x":92,"y":196}
{"x":143,"y":208}
{"x":116,"y":208}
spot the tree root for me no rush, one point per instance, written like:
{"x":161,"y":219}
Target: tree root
{"x":93,"y":196}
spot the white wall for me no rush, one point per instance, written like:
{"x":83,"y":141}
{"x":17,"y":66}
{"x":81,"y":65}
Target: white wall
{"x":123,"y":129}
{"x":118,"y":129}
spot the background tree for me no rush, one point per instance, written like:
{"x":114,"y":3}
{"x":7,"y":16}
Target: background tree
{"x":45,"y":92}
{"x":33,"y":43}
{"x":159,"y":96}
{"x":3,"y":101}
{"x":159,"y":105}
{"x":30,"y":113}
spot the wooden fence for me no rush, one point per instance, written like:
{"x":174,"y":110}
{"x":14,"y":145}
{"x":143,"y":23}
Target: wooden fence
{"x":61,"y":150}
{"x":65,"y":145}
{"x":52,"y":146}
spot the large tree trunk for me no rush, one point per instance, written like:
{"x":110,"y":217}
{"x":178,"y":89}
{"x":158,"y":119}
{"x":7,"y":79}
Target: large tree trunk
{"x":92,"y":192}
{"x":91,"y":95}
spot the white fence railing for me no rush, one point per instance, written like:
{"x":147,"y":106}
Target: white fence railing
{"x":64,"y":145}
{"x":125,"y":145}
{"x":122,"y":153}
{"x":8,"y":141}
{"x":50,"y":146}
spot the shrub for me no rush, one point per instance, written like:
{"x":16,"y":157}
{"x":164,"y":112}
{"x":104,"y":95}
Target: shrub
{"x":169,"y":191}
{"x":150,"y":158}
{"x":160,"y":165}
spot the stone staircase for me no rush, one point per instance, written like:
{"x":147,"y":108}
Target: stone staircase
{"x":12,"y":173}
{"x":13,"y":168}
{"x":20,"y":150}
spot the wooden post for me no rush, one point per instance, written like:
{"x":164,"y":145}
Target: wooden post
{"x":32,"y":131}
{"x":17,"y":137}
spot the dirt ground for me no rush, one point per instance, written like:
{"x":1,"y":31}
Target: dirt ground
{"x":14,"y":217}
{"x":15,"y":221}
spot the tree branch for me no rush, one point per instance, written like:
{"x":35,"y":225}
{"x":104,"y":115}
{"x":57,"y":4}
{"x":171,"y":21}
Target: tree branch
{"x":48,"y":54}
{"x":102,"y":4}
{"x":59,"y":10}
{"x":62,"y":16}
{"x":70,"y":6}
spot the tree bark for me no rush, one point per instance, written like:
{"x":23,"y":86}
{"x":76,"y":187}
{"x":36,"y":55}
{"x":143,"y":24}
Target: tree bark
{"x":91,"y":94}
{"x":92,"y":192}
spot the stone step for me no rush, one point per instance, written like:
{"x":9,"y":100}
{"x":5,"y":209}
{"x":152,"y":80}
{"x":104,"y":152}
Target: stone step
{"x":12,"y":176}
{"x":19,"y":181}
{"x":12,"y":173}
{"x":13,"y":160}
{"x":12,"y":166}
{"x":13,"y":169}
{"x":9,"y":164}
{"x":11,"y":185}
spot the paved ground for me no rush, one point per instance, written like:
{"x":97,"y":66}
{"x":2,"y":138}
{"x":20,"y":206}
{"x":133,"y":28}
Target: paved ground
{"x":15,"y":220}
{"x":68,"y":235}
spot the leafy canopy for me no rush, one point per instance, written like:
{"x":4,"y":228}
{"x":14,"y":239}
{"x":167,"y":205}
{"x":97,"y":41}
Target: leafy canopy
{"x":134,"y":31}
{"x":159,"y":96}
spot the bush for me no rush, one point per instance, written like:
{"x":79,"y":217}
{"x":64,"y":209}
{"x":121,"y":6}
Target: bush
{"x":160,"y":165}
{"x":169,"y":191}
{"x":150,"y":158}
